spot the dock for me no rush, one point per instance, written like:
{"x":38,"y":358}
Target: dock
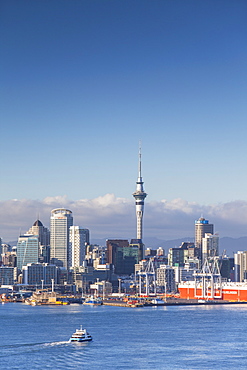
{"x":170,"y":302}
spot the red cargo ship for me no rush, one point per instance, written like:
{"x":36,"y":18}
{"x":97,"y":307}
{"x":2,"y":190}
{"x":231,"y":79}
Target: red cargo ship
{"x":227,"y":291}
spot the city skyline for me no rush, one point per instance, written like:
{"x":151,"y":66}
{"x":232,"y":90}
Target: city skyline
{"x":83,"y":82}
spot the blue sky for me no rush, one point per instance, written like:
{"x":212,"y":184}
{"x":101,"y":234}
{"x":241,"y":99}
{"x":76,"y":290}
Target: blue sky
{"x":83,"y":81}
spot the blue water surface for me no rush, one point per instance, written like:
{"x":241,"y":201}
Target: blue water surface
{"x":176,"y":337}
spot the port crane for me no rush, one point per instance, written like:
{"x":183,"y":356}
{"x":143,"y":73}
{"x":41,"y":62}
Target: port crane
{"x":208,"y":280}
{"x":147,"y":279}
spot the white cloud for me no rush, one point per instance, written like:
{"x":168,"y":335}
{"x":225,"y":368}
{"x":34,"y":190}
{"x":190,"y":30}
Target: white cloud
{"x":56,"y":200}
{"x":109,"y":216}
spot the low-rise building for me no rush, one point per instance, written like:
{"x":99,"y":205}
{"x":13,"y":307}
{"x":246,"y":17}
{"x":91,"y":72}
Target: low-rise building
{"x":38,"y":273}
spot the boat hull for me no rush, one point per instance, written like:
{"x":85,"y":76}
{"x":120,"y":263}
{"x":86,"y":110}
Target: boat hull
{"x":80,"y":340}
{"x":93,"y":302}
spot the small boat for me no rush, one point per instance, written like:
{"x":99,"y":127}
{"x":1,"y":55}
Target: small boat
{"x":80,"y":335}
{"x":157,"y":301}
{"x":93,"y":301}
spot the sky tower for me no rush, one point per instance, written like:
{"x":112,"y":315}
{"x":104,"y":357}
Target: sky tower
{"x":139,"y":196}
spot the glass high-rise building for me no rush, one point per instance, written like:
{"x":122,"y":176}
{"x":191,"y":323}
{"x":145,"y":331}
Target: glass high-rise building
{"x":27,"y":250}
{"x":61,"y":220}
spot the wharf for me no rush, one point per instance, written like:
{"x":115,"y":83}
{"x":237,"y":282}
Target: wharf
{"x":170,"y":302}
{"x":115,"y":303}
{"x":122,"y":303}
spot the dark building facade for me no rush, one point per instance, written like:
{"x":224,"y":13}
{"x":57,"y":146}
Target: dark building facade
{"x":122,"y":255}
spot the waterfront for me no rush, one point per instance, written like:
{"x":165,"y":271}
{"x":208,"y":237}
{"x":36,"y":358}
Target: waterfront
{"x":184,"y":337}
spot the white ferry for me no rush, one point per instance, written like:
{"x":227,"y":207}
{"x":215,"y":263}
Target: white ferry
{"x":80,"y":335}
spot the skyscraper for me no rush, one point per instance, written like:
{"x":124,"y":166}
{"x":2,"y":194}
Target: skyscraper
{"x":202,"y":227}
{"x":61,"y":220}
{"x":112,"y":249}
{"x":42,"y":232}
{"x":78,"y":239}
{"x":27,"y":250}
{"x":210,"y":246}
{"x":44,"y":240}
{"x":139,"y":196}
{"x":240,"y":265}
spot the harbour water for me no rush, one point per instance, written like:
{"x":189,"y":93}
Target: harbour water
{"x":176,"y":337}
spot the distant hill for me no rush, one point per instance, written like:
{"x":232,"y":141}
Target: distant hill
{"x":166,"y":244}
{"x":153,"y":243}
{"x":233,"y":245}
{"x":230,"y":245}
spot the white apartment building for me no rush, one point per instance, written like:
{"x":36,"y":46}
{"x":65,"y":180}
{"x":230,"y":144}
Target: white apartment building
{"x":61,"y":220}
{"x":210,"y":246}
{"x":78,"y":239}
{"x":240,"y":265}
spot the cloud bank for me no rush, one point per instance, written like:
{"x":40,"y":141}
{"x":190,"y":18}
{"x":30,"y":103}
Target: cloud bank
{"x":111,"y":217}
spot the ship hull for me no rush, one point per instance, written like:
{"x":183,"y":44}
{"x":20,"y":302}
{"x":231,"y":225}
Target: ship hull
{"x":233,"y":292}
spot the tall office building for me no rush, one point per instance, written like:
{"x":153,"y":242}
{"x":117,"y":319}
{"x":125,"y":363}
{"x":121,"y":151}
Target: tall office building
{"x":113,"y":245}
{"x":44,"y":240}
{"x":202,"y":227}
{"x":122,"y":255}
{"x":240,"y":266}
{"x":27,"y":250}
{"x":210,"y":246}
{"x":61,"y":220}
{"x":78,"y":239}
{"x":42,"y":232}
{"x":137,"y":243}
{"x":139,"y":196}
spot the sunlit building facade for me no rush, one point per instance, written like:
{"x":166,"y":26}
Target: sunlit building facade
{"x":61,"y":220}
{"x":202,"y":227}
{"x":78,"y":239}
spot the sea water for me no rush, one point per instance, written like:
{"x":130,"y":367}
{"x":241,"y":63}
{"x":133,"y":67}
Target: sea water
{"x":175,"y":337}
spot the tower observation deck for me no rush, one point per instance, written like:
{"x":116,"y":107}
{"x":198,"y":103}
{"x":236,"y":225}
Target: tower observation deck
{"x":139,"y":196}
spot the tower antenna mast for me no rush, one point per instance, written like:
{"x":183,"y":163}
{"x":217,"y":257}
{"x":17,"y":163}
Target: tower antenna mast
{"x":140,"y":159}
